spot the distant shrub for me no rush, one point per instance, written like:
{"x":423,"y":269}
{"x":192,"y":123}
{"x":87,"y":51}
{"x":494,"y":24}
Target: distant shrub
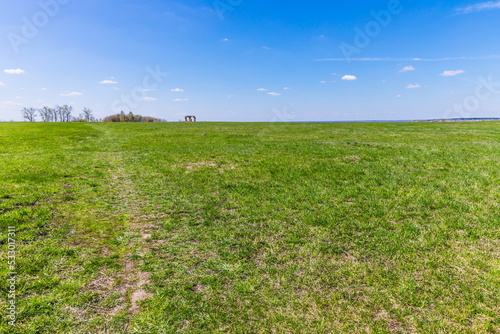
{"x":130,"y":117}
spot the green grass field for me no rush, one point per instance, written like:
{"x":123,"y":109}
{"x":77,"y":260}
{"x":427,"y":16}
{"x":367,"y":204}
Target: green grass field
{"x":252,"y":227}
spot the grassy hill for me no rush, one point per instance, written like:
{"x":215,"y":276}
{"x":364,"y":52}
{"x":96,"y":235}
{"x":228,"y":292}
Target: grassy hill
{"x":251,"y":227}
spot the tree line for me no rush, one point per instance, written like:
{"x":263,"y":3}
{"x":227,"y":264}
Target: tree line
{"x":64,"y":114}
{"x":57,"y":114}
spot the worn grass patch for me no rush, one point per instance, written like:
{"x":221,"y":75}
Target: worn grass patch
{"x":252,"y":228}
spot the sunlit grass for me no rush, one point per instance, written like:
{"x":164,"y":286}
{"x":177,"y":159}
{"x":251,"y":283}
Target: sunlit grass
{"x":253,"y":228}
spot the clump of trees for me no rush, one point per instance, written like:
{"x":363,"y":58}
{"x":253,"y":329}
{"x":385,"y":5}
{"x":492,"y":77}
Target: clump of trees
{"x":57,"y":114}
{"x":130,"y":117}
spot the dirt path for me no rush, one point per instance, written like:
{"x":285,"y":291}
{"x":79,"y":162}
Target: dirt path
{"x":131,"y":203}
{"x":130,"y":282}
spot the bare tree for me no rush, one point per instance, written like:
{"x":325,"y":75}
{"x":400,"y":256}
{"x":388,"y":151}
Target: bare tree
{"x":63,"y":113}
{"x":42,"y":114}
{"x":29,"y":114}
{"x":58,"y":114}
{"x":47,"y":114}
{"x":67,"y":112}
{"x":53,"y":114}
{"x":87,"y":113}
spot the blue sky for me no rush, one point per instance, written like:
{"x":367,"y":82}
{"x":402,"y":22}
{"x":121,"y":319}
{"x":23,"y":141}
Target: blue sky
{"x":252,"y":60}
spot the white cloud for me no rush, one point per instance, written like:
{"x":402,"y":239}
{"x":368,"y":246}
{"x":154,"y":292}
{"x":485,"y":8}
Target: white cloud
{"x":108,"y":82}
{"x":170,"y":14}
{"x":262,"y":89}
{"x":2,"y":84}
{"x":225,"y":40}
{"x":479,"y":7}
{"x":413,"y":86}
{"x":349,"y":77}
{"x":177,"y":90}
{"x":44,"y":89}
{"x":72,"y":94}
{"x":407,"y":69}
{"x":266,"y":47}
{"x":147,"y":90}
{"x":180,"y":100}
{"x":286,"y":88}
{"x":11,"y":104}
{"x":323,"y":81}
{"x":149,"y":98}
{"x":14,"y":71}
{"x":273,"y":94}
{"x":452,"y":73}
